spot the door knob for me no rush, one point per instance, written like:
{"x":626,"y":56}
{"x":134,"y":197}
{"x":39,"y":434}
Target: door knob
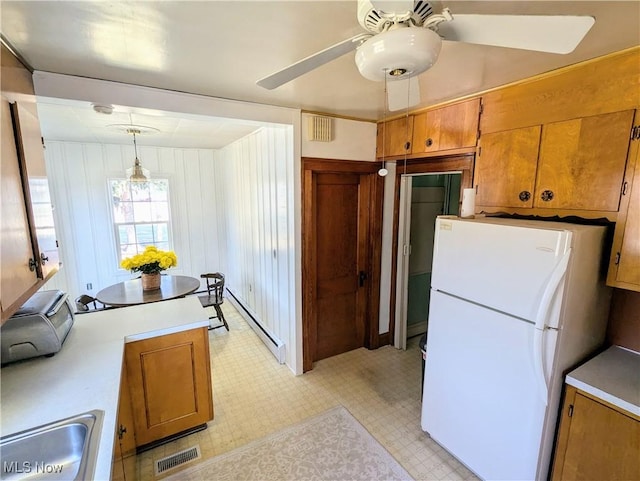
{"x":43,"y":258}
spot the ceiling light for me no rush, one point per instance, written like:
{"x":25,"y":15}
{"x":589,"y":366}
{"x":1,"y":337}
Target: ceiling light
{"x":399,"y":53}
{"x":103,"y":109}
{"x":137,"y":173}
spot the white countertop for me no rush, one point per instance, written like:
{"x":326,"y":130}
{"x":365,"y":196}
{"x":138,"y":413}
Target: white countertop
{"x":85,"y":374}
{"x":613,"y":376}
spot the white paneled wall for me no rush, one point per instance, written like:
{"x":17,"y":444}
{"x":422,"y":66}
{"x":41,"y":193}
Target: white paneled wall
{"x":256,"y":193}
{"x":232,"y":211}
{"x":78,"y":175}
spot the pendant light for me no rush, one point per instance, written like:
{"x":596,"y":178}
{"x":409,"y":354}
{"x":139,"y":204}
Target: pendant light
{"x":137,"y":173}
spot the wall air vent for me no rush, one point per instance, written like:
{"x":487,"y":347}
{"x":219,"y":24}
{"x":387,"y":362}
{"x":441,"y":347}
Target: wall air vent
{"x":320,"y":128}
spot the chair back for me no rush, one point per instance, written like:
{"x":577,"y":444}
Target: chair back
{"x":215,"y":285}
{"x":85,"y":303}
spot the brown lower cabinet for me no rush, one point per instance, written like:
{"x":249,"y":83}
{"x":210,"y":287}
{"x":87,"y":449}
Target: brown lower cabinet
{"x":124,"y":449}
{"x":596,"y":440}
{"x":169,"y":380}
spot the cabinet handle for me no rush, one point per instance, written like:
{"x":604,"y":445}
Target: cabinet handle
{"x":428,"y":142}
{"x":361,"y":278}
{"x":524,"y":196}
{"x":624,"y":188}
{"x":32,"y":264}
{"x":546,"y":195}
{"x":43,"y":258}
{"x":407,"y":146}
{"x":121,"y":430}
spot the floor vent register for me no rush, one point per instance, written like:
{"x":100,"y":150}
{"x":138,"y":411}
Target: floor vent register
{"x":177,"y":459}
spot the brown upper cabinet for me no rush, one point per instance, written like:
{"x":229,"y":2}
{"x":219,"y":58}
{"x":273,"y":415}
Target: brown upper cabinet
{"x":505,"y":169}
{"x":29,"y":246}
{"x":576,"y":164}
{"x":394,"y":137}
{"x":624,"y":267}
{"x":451,"y":127}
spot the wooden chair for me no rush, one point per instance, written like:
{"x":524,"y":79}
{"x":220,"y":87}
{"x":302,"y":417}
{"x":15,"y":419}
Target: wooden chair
{"x":214,"y":297}
{"x":85,"y":303}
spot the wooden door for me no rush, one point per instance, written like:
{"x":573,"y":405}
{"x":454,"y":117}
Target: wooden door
{"x":505,"y":169}
{"x":170,"y":384}
{"x":582,"y":162}
{"x":596,"y":442}
{"x":36,"y":188}
{"x":341,"y":215}
{"x":341,"y":257}
{"x":17,"y":251}
{"x":451,"y":127}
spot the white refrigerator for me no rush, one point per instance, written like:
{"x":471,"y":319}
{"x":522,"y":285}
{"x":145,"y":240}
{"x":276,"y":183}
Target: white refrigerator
{"x":514,"y":305}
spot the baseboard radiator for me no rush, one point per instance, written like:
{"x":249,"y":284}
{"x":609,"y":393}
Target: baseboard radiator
{"x":275,"y":345}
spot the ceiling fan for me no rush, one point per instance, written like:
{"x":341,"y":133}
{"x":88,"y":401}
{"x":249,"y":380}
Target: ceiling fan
{"x":403,"y":38}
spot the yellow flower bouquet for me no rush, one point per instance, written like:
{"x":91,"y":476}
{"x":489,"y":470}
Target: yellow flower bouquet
{"x":151,"y":261}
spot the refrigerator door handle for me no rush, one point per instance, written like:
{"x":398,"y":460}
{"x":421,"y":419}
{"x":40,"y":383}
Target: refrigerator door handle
{"x":538,"y":333}
{"x":552,"y":286}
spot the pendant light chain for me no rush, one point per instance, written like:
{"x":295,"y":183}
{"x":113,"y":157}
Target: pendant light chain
{"x":406,"y":124}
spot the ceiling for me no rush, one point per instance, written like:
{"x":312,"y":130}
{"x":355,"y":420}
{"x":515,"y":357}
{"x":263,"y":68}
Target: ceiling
{"x":220,"y":49}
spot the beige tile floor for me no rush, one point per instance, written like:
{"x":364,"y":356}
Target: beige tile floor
{"x":254,"y":396}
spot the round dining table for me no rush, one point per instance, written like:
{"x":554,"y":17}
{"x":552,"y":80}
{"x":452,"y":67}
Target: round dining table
{"x":130,"y":293}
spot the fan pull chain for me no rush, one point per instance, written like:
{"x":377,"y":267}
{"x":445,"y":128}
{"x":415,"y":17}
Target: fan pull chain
{"x":383,"y":170}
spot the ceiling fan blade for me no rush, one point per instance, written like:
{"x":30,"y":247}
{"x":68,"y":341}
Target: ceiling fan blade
{"x":543,"y":33}
{"x":402,"y":94}
{"x":311,"y":62}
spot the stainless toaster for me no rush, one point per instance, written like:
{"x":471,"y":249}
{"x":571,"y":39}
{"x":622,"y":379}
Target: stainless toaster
{"x":38,"y":328}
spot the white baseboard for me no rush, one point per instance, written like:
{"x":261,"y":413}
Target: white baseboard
{"x":275,"y":345}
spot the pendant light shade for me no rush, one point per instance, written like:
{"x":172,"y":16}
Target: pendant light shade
{"x":137,"y":173}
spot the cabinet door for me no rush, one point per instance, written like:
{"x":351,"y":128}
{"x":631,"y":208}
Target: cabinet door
{"x":394,"y":137}
{"x":451,"y":127}
{"x":505,"y":169}
{"x":36,"y":189}
{"x":624,"y":268}
{"x":582,"y":162}
{"x":601,"y":443}
{"x":17,"y":251}
{"x":170,"y":384}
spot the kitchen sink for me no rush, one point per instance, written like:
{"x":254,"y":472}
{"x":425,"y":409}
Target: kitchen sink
{"x":62,"y":450}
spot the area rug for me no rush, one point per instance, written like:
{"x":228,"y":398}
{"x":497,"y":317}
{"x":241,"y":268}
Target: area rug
{"x":333,"y":446}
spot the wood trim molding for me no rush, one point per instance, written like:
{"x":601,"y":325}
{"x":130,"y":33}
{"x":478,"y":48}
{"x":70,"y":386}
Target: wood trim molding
{"x":459,"y":163}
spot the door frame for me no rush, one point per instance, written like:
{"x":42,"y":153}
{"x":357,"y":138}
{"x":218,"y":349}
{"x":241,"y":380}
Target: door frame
{"x":433,"y":165}
{"x":311,"y":166}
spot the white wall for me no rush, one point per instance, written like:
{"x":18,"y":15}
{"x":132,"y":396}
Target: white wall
{"x":257,"y":196}
{"x":351,"y":140}
{"x":78,"y":176}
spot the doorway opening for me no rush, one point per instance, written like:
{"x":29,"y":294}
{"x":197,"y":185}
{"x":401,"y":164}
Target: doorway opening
{"x":423,"y":197}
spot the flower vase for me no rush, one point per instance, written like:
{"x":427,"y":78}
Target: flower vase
{"x":150,"y":282}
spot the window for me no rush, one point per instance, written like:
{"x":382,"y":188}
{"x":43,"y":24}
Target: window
{"x":141,"y":215}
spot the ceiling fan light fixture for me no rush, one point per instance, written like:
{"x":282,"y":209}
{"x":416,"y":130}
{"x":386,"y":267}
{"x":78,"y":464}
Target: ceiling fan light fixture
{"x":398,"y":53}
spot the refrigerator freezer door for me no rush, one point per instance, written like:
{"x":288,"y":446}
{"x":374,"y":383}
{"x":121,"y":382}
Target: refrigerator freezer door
{"x":504,"y":267}
{"x":480,"y":398}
